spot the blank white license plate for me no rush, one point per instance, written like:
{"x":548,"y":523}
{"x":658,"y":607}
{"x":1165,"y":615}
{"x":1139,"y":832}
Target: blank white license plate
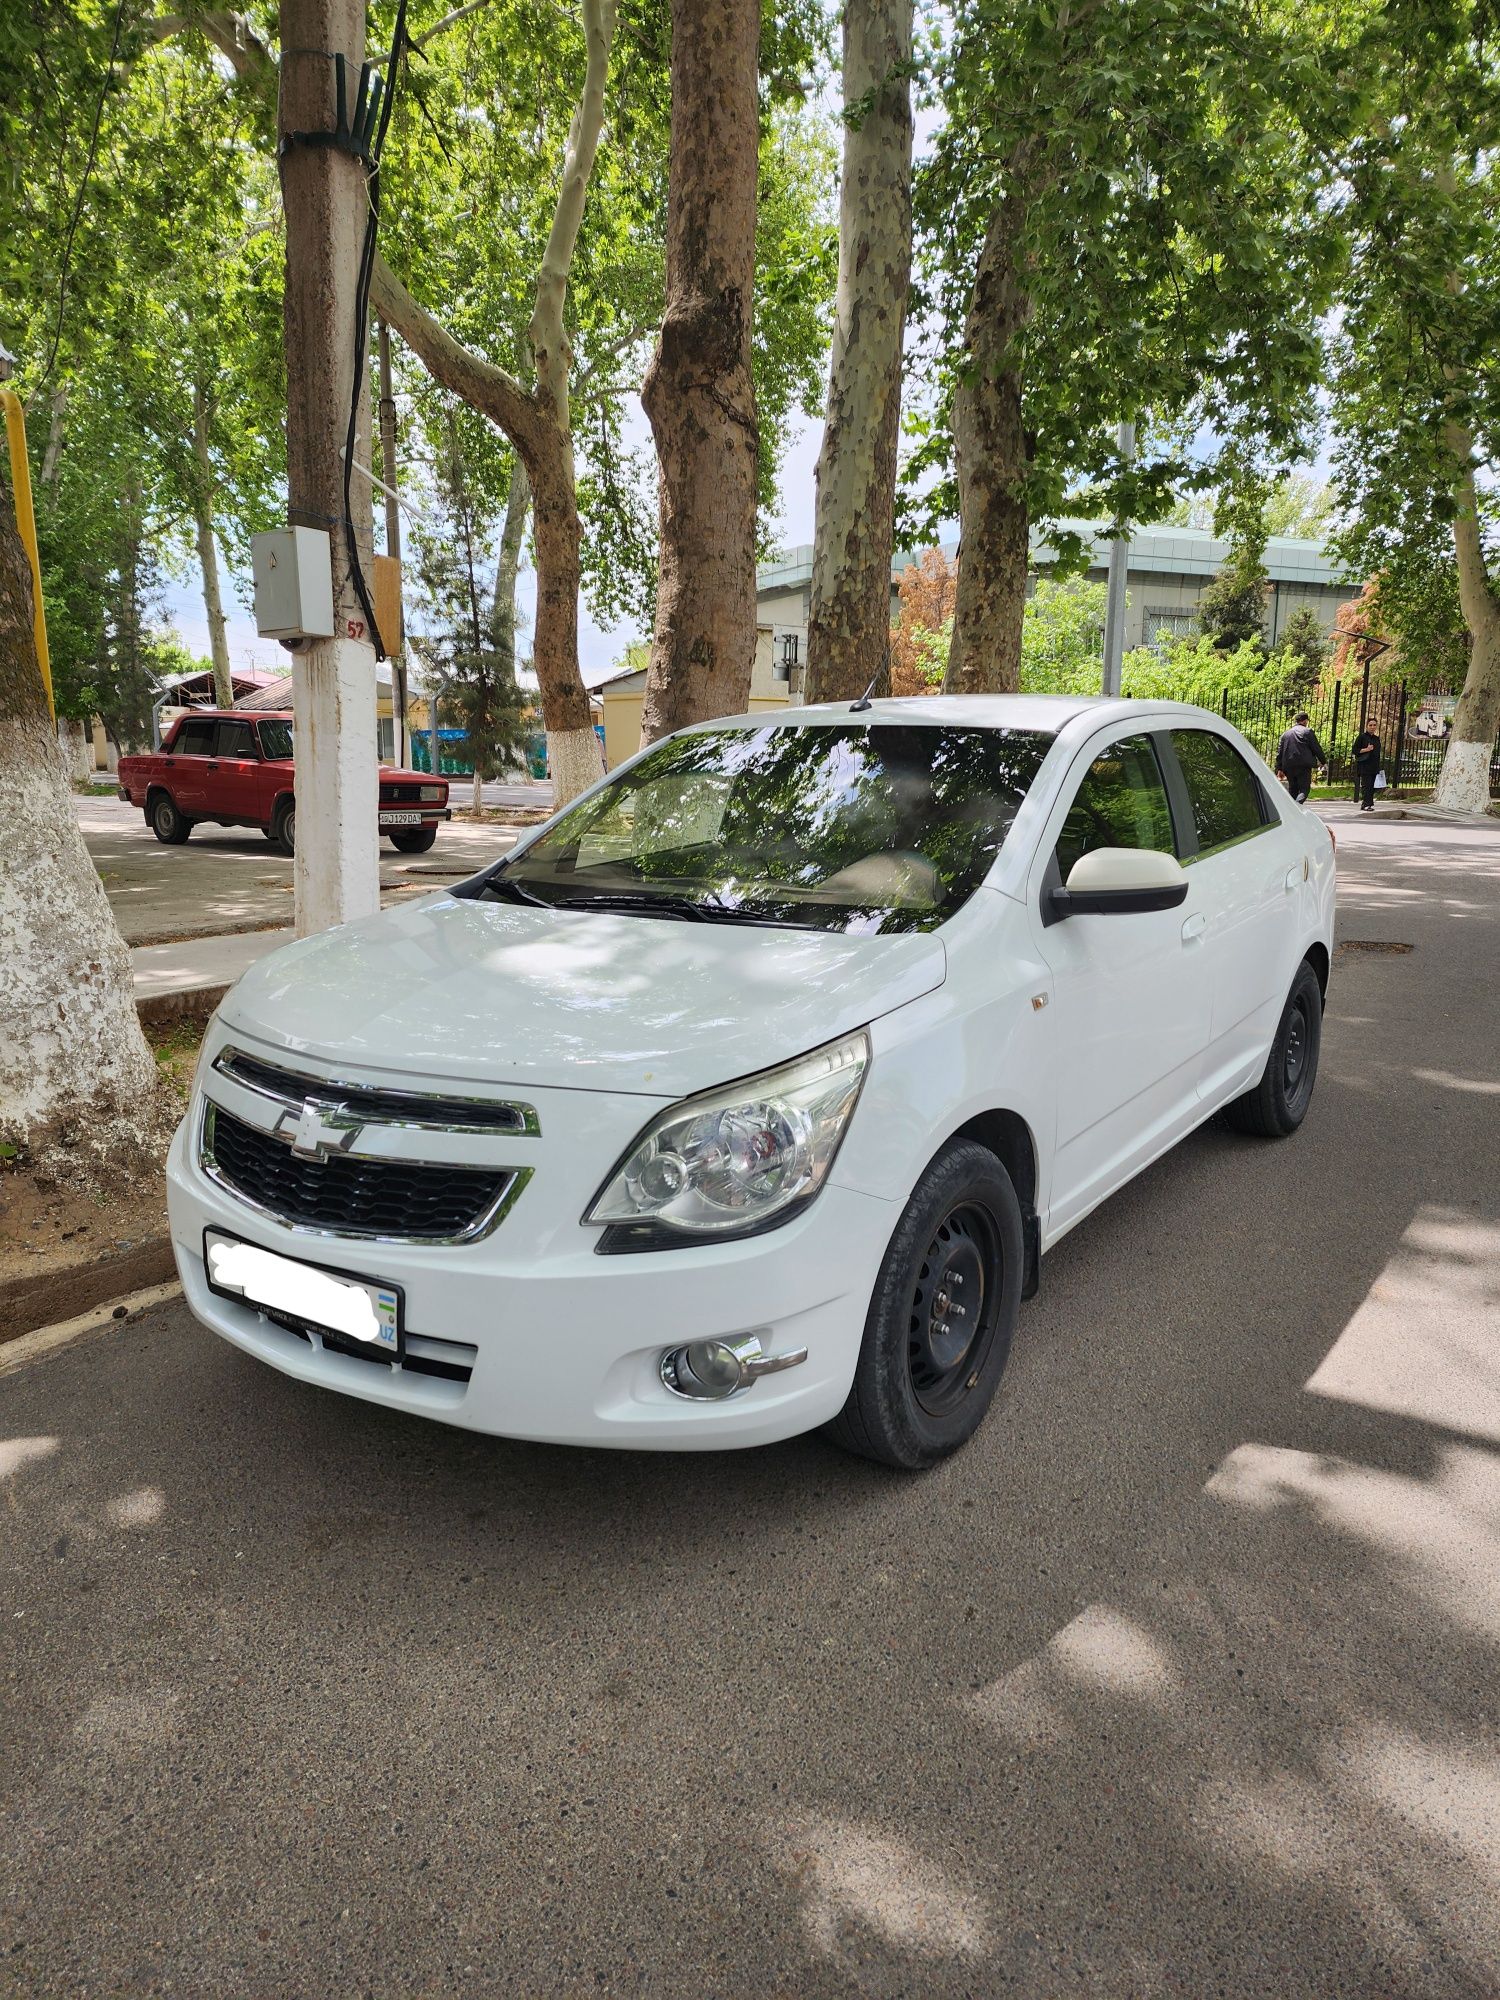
{"x":400,"y":819}
{"x":354,"y":1309}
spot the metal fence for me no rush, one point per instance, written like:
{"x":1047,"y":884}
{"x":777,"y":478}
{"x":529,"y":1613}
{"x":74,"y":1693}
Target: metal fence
{"x":1413,"y":728}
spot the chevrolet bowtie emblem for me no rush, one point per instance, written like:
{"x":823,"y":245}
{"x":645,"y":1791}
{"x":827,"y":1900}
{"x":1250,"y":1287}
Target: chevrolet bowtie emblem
{"x":318,"y":1130}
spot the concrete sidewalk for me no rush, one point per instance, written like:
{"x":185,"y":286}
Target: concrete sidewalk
{"x":192,"y":977}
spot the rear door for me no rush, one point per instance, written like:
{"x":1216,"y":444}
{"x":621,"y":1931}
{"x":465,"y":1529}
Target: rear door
{"x":1249,"y":869}
{"x":1131,"y":991}
{"x":185,"y":765}
{"x":235,"y":785}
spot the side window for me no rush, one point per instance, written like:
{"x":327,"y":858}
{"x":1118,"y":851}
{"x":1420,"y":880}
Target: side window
{"x":194,"y":739}
{"x":234,"y":739}
{"x":1122,"y":802}
{"x":1225,"y":798}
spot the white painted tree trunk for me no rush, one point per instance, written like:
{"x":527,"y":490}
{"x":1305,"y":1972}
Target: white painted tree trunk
{"x":1464,"y":781}
{"x":73,"y":750}
{"x":76,"y":1074}
{"x":849,"y":618}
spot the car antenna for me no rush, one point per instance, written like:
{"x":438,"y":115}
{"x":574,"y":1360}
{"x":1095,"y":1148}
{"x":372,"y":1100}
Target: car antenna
{"x":858,"y":707}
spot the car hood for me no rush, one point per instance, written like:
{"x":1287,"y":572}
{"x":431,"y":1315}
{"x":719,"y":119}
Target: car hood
{"x":583,"y":1000}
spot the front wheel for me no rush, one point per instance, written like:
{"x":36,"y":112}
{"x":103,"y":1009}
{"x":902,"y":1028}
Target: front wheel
{"x":942,"y":1317}
{"x":416,"y":842}
{"x":167,"y":823}
{"x":1278,"y":1103}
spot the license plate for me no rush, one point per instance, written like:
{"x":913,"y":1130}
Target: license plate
{"x":357,"y":1313}
{"x":400,"y":819}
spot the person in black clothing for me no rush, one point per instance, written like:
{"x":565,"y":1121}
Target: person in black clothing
{"x":1366,"y":764}
{"x":1298,"y":755}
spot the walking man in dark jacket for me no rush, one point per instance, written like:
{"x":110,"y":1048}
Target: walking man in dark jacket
{"x":1298,"y":755}
{"x":1367,"y":748}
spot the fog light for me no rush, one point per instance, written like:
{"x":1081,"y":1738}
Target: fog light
{"x":706,"y":1371}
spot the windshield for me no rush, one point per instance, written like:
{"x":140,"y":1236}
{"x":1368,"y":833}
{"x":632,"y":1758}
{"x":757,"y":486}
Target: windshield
{"x":276,"y":739}
{"x":852,"y":827}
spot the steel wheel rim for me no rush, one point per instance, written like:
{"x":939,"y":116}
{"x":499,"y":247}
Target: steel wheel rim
{"x":954,"y":1307}
{"x":1298,"y":1048}
{"x":164,"y":816}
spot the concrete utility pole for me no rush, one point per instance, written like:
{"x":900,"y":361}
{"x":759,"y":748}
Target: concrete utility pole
{"x":392,"y":532}
{"x":1119,"y":564}
{"x":333,"y":680}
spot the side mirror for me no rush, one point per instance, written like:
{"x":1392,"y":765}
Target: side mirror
{"x":1118,"y":881}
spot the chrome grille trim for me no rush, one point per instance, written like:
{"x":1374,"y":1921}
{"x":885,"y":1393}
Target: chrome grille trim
{"x":512,"y":1184}
{"x":374,"y":1104}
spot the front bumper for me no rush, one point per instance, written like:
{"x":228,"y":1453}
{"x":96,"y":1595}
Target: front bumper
{"x":564,"y":1346}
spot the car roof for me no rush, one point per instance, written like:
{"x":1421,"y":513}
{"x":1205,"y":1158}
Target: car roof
{"x":234,"y":715}
{"x":1048,"y":713}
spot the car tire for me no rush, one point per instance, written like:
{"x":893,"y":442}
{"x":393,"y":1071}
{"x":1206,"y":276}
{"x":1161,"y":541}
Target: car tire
{"x":416,"y":842}
{"x":924,"y":1380}
{"x":284,"y":827}
{"x":1278,"y":1103}
{"x":167,"y":822}
{"x":270,"y":832}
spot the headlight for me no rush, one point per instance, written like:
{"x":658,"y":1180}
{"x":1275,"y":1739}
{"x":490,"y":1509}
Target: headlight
{"x":734,"y":1161}
{"x":434,"y":794}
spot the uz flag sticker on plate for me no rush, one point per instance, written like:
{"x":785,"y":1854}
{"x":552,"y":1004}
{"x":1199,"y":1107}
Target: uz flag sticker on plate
{"x":359,"y":1312}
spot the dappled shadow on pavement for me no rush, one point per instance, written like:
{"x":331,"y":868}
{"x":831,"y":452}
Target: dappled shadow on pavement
{"x":1181,"y":1679}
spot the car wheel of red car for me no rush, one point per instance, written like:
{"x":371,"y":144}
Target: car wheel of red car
{"x":284,"y":827}
{"x":167,"y":823}
{"x":416,"y":842}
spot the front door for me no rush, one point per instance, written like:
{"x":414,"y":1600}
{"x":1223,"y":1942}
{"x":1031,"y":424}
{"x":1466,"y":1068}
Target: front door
{"x":1131,"y":990}
{"x":236,"y":783}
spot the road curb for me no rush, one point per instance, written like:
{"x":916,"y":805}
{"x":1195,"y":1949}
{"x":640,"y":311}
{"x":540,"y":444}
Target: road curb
{"x":82,"y":1289}
{"x":189,"y":1003}
{"x":43,"y":1340}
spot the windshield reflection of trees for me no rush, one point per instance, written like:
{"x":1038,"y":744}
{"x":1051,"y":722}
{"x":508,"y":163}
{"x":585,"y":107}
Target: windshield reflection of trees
{"x":763,"y":819}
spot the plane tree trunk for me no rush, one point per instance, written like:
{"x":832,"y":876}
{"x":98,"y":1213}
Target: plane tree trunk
{"x":849,"y":619}
{"x":77,"y":1079}
{"x":992,"y":455}
{"x":699,"y":391}
{"x":208,"y":554}
{"x":1464,"y":781}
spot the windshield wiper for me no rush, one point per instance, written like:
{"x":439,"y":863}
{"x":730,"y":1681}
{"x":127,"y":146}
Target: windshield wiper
{"x":654,"y":903}
{"x":499,"y":885}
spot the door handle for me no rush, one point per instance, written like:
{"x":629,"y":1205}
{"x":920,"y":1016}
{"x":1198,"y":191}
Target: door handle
{"x":1194,"y":927}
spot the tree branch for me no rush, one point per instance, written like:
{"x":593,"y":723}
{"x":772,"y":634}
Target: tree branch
{"x":548,"y":334}
{"x":419,"y":42}
{"x":231,"y":34}
{"x":478,"y":382}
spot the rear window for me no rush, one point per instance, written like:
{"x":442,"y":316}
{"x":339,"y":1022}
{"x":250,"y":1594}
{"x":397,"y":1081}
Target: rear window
{"x":1222,"y":789}
{"x":275,"y":739}
{"x":234,"y":739}
{"x":852,"y":827}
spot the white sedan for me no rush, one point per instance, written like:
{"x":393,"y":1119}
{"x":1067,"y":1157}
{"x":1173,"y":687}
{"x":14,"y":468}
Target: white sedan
{"x":748,"y":1094}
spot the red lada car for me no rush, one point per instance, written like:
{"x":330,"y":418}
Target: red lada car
{"x":235,"y":769}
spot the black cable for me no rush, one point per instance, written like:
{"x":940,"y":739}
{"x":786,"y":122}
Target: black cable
{"x":361,"y":328}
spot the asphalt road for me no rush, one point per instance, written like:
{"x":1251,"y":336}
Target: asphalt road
{"x":1182,"y":1679}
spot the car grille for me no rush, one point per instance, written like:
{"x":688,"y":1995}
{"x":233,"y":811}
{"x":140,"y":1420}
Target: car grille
{"x":348,"y":1196}
{"x":404,"y":795}
{"x":382,"y":1107}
